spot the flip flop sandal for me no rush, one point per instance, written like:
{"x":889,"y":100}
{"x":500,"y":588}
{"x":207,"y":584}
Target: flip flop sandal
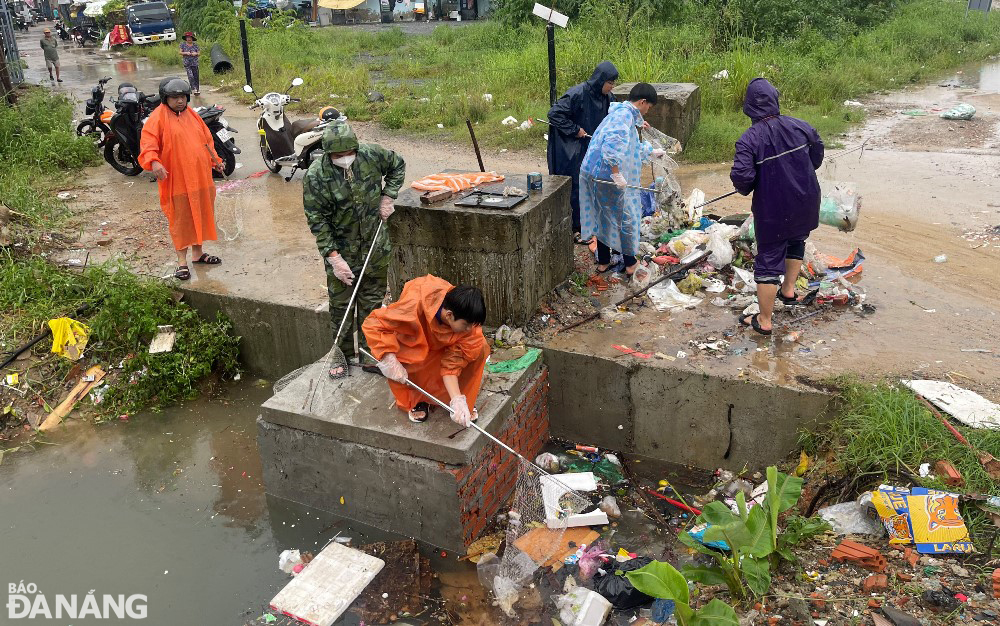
{"x":208,"y":259}
{"x":421,"y":407}
{"x":792,"y":301}
{"x":182,"y":273}
{"x":578,"y":240}
{"x":755,"y":324}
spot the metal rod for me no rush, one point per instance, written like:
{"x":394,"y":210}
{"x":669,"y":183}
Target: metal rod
{"x":246,"y":51}
{"x":357,"y":283}
{"x":609,"y":182}
{"x":475,"y":144}
{"x":725,"y":195}
{"x":550,"y":34}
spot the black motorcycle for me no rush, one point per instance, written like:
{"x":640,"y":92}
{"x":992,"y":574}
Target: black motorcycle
{"x":96,"y":126}
{"x":63,"y":33}
{"x":225,"y":144}
{"x":84,"y":34}
{"x":121,"y":149}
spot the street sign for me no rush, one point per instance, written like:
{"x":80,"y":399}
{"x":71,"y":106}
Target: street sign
{"x":550,"y":15}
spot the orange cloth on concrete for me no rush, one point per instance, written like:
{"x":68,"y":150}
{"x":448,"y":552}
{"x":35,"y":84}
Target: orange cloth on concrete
{"x":455,"y":181}
{"x":184,"y":146}
{"x":426,"y":347}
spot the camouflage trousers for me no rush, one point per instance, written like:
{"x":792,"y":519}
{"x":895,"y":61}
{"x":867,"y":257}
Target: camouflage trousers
{"x":370,"y":297}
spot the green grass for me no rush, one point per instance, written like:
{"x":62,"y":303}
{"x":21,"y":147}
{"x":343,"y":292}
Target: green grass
{"x":38,"y":149}
{"x":124,"y":311}
{"x":885,"y":428}
{"x":441,"y":78}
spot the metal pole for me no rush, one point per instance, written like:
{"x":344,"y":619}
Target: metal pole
{"x":550,"y":33}
{"x":246,"y":51}
{"x":475,"y":144}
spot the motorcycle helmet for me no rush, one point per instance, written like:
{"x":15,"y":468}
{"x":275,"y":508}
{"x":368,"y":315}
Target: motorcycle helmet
{"x":174,"y":87}
{"x":328,"y":114}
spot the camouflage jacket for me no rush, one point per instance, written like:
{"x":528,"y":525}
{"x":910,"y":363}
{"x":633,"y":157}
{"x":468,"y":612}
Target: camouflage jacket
{"x":343,"y":214}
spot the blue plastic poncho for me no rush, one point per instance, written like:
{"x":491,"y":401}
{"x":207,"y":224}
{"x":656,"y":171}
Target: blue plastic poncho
{"x":613,"y":214}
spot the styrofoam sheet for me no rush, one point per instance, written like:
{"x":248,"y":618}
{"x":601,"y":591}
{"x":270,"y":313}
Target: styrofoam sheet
{"x":328,"y":585}
{"x":552,"y":490}
{"x":968,"y":407}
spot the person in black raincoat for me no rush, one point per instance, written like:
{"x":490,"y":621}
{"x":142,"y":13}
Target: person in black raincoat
{"x":574,"y":118}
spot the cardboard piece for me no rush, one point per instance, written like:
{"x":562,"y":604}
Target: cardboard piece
{"x":927,"y":518}
{"x":327,"y":586}
{"x":538,"y":544}
{"x":93,"y":376}
{"x":163,"y":341}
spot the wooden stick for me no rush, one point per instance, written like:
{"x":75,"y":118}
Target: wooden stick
{"x":941,"y":418}
{"x":681,"y":268}
{"x":475,"y":144}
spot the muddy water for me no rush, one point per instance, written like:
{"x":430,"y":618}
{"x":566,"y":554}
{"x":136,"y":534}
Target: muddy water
{"x":169,"y":505}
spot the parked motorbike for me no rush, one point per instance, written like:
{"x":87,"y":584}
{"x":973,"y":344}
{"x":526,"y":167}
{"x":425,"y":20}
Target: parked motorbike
{"x":225,"y":144}
{"x":96,"y":126}
{"x":63,"y":33}
{"x":284,"y":143}
{"x":121,"y":149}
{"x":83,"y":35}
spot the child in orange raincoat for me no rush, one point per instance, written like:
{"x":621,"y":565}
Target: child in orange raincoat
{"x":433,"y":336}
{"x":178,"y":148}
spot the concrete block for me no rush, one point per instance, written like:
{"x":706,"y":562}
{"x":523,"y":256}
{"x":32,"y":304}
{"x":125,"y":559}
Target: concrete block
{"x":677,"y":109}
{"x":274,"y":338}
{"x":515,"y":256}
{"x":589,"y":399}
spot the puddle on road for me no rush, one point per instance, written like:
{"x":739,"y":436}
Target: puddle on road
{"x":985,"y":77}
{"x":169,"y":505}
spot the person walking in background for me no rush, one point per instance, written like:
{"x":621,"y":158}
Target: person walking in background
{"x":609,"y":208}
{"x":776,"y":160}
{"x":50,"y":49}
{"x":574,"y":118}
{"x":191,"y":53}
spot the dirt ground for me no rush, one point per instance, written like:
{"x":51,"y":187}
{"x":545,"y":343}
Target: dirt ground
{"x":929,"y":187}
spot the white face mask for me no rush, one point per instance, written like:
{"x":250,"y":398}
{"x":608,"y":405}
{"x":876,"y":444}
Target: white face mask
{"x":344,"y":161}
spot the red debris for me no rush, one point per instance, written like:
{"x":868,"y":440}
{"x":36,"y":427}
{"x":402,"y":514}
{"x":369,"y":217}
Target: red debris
{"x":817,"y":600}
{"x":859,"y":554}
{"x":996,"y":583}
{"x":876,"y":582}
{"x":911,"y":557}
{"x":948,"y":474}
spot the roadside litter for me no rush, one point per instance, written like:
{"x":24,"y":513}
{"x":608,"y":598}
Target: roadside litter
{"x":968,"y":407}
{"x":961,"y":111}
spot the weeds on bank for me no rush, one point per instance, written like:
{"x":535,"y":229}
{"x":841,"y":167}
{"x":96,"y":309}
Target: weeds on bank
{"x":123,"y":313}
{"x":884,"y":429}
{"x":38,"y":147}
{"x":441,"y":78}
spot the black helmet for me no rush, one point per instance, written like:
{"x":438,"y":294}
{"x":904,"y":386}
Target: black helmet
{"x":174,"y":87}
{"x":328,"y":114}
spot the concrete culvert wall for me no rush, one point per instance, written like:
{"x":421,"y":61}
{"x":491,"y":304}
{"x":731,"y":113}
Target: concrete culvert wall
{"x":221,"y":63}
{"x":675,"y":415}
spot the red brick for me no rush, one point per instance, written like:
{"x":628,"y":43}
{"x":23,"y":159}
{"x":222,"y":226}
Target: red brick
{"x":874,"y":604}
{"x":817,"y":600}
{"x":876,"y":582}
{"x":996,"y":582}
{"x":911,"y":556}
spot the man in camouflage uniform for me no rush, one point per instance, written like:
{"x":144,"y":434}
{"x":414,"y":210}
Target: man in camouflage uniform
{"x":345,"y":198}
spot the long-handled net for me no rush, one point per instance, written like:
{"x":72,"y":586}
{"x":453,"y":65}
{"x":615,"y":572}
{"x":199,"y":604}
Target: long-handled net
{"x":320,"y":371}
{"x":538,"y":518}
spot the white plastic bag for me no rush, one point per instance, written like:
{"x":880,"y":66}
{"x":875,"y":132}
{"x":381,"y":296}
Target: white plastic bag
{"x":743,"y":281}
{"x":696,"y":198}
{"x":840,"y":206}
{"x":719,"y":236}
{"x":666,"y":296}
{"x":961,"y":111}
{"x":683,"y":244}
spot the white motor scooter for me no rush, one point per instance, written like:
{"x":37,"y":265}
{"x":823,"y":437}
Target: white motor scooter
{"x":284,"y":143}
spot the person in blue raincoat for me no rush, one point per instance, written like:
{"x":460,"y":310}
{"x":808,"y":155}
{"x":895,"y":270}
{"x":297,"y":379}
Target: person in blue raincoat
{"x":574,"y":118}
{"x":776,"y":160}
{"x":610,"y":202}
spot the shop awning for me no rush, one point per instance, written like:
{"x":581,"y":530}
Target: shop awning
{"x":95,"y":8}
{"x":340,"y":4}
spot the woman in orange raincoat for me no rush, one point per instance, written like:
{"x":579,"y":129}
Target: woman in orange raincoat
{"x":433,"y":336}
{"x":178,"y":148}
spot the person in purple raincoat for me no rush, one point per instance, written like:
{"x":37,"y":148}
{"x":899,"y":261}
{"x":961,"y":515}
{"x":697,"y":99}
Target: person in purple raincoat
{"x":776,"y":160}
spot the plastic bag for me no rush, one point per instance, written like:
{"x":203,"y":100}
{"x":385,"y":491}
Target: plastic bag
{"x":685,"y":243}
{"x":666,"y":296}
{"x":743,"y":281}
{"x":840,"y":206}
{"x":548,"y":462}
{"x":618,"y":589}
{"x":641,"y":276}
{"x":849,"y":518}
{"x":746,"y":231}
{"x":718,"y":243}
{"x":608,"y":472}
{"x":591,"y":559}
{"x":609,"y":505}
{"x":696,"y":199}
{"x":961,"y":111}
{"x":69,"y":337}
{"x":488,"y":568}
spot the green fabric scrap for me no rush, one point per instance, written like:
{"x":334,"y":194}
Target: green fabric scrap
{"x":515,"y":365}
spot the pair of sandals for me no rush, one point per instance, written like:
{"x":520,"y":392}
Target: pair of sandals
{"x":753,"y":321}
{"x":184,"y":273}
{"x":578,"y":239}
